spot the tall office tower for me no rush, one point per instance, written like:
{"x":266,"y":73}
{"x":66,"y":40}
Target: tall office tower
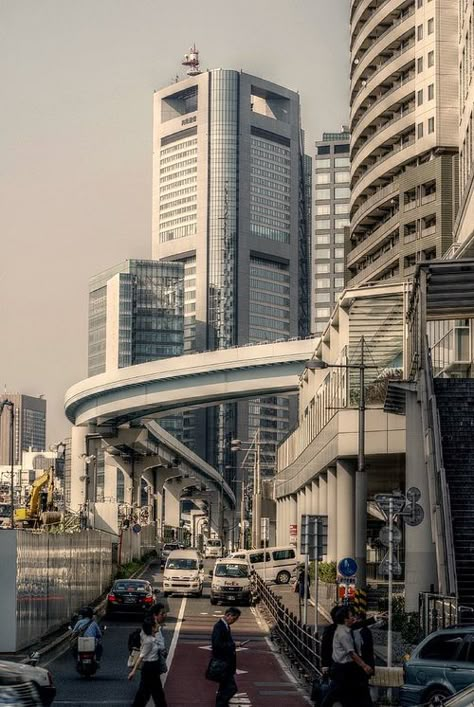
{"x":464,"y":230}
{"x":404,"y":135}
{"x":229,"y":203}
{"x":331,"y":216}
{"x":135,"y":314}
{"x":29,"y":426}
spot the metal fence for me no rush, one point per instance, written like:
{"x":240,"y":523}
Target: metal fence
{"x":297,"y":641}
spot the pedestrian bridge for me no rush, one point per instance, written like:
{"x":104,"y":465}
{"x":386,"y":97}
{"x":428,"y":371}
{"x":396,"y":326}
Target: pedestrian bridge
{"x":148,"y":390}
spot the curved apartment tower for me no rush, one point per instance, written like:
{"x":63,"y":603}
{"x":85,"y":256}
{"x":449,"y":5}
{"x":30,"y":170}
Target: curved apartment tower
{"x":404,"y":135}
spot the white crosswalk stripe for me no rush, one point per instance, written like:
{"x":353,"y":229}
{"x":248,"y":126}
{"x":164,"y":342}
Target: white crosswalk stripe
{"x":241,"y":699}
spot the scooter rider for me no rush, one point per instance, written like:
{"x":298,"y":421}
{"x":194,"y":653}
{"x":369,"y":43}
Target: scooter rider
{"x":88,"y":626}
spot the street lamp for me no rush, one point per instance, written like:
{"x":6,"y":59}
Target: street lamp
{"x":316,"y":364}
{"x":11,"y":405}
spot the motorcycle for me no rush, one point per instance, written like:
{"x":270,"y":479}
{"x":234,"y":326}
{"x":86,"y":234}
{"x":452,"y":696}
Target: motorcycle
{"x":87,"y":655}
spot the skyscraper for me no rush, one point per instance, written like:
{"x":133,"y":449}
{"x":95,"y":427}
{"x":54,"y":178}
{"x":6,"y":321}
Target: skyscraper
{"x":229,"y":203}
{"x":331,"y":216}
{"x":29,"y":426}
{"x":404,"y":135}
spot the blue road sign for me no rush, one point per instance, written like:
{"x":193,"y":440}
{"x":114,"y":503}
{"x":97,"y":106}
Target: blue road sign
{"x":347,"y":567}
{"x":137,"y":528}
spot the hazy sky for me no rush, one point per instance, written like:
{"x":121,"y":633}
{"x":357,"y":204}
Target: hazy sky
{"x":77,"y":80}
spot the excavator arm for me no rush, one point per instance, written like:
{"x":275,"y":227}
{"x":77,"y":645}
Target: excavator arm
{"x":31,"y":511}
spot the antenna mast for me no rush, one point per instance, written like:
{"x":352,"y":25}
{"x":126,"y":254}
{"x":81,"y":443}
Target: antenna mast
{"x":191,"y":60}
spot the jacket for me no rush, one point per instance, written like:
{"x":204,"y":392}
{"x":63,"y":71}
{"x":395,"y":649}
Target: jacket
{"x":223,"y":646}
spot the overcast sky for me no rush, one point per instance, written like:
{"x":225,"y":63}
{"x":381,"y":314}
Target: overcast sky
{"x":77,"y":79}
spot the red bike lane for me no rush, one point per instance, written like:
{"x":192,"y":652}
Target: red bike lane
{"x":261,"y":680}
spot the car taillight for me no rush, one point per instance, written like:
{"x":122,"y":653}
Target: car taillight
{"x":50,"y":678}
{"x":148,"y":600}
{"x":111,"y":597}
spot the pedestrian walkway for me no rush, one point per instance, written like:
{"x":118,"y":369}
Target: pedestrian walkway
{"x":262,"y":681}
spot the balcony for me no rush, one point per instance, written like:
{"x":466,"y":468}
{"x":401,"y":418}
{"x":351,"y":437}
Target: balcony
{"x":395,"y":31}
{"x":372,"y":239}
{"x":373,"y":201}
{"x":391,"y":129}
{"x":386,"y":165}
{"x":377,"y":18}
{"x":389,"y":258}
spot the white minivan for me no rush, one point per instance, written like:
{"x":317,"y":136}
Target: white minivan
{"x":213,"y":548}
{"x":231,"y":581}
{"x":278,"y":565}
{"x":184,"y":573}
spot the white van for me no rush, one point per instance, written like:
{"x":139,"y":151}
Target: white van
{"x":213,"y":548}
{"x":184,"y":573}
{"x":279,"y":564}
{"x":231,"y":581}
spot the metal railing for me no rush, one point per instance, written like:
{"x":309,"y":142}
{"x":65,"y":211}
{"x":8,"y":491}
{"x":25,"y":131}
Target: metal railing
{"x":297,"y":641}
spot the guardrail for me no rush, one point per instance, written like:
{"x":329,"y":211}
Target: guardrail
{"x":296,"y":640}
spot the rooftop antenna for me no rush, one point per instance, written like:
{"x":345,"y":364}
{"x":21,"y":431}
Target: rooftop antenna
{"x":192,"y":61}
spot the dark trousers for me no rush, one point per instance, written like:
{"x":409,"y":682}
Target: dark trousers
{"x":150,"y":686}
{"x":227,"y":689}
{"x":349,"y":686}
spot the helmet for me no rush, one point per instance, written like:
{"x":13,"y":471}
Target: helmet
{"x":87,"y":612}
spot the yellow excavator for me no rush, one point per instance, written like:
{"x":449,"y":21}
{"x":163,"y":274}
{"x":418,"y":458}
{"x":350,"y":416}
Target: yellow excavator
{"x":39,"y":509}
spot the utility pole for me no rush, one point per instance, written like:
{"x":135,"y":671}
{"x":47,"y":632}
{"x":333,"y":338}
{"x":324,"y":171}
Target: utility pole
{"x":11,"y":405}
{"x":361,"y":483}
{"x":257,"y":496}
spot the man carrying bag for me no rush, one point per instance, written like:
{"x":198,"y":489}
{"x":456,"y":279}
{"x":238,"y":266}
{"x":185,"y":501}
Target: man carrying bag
{"x":223,"y":664}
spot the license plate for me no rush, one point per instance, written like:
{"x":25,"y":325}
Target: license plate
{"x":129,"y":600}
{"x":86,"y":661}
{"x":231,"y":596}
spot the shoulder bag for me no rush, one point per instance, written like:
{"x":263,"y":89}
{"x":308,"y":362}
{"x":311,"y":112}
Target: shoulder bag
{"x":217,"y":670}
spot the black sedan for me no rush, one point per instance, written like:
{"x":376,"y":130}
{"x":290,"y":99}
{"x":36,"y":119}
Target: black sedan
{"x":130,"y":595}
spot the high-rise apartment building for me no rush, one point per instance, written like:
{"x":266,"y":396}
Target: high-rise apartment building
{"x":464,"y":229}
{"x":404,"y":135}
{"x":135,"y":314}
{"x":229,"y":203}
{"x":331,"y":181}
{"x":29,"y":426}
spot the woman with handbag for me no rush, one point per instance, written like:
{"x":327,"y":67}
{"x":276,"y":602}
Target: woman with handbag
{"x":152,"y":661}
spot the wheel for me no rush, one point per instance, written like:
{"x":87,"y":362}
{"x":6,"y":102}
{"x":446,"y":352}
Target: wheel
{"x":199,"y":593}
{"x":437,"y":697}
{"x":283,"y":577}
{"x":213,"y":601}
{"x":166,"y":594}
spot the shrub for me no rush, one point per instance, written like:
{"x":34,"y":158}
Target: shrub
{"x":326,"y":572}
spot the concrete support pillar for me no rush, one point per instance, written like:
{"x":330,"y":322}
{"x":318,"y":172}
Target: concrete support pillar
{"x":345,"y":510}
{"x":292,"y":517}
{"x":420,"y":554}
{"x":300,"y":511}
{"x":315,"y":497}
{"x":332,"y":514}
{"x":173,"y":490}
{"x":110,"y":478}
{"x":280,"y":509}
{"x":323,"y":494}
{"x":78,"y":467}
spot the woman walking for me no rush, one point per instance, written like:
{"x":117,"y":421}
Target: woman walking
{"x":151,"y":661}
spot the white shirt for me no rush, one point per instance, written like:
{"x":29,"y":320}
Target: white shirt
{"x":343,"y":645}
{"x":151,"y":645}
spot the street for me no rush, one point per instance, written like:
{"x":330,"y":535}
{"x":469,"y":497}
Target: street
{"x":260,"y":678}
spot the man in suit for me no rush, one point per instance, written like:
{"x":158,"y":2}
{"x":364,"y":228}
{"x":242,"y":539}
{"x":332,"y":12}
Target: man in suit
{"x":223,"y":648}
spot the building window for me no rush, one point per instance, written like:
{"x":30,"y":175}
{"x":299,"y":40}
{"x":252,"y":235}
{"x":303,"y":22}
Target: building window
{"x":342,"y":209}
{"x":338,"y":282}
{"x":430,"y":59}
{"x":419,"y":98}
{"x":419,"y":65}
{"x":323,"y":178}
{"x":323,"y":194}
{"x":323,"y":283}
{"x":431,"y":125}
{"x":340,"y":149}
{"x":342,"y":193}
{"x":339,"y":253}
{"x":431,"y":25}
{"x":339,"y":238}
{"x":341,"y":222}
{"x":322,"y":268}
{"x":323,"y":163}
{"x":431,"y":91}
{"x":420,"y":130}
{"x":342,"y":162}
{"x":323,"y":254}
{"x":324,"y":150}
{"x":419,"y":32}
{"x":324,"y":239}
{"x":339,"y":267}
{"x":342,"y":177}
{"x":322,"y":297}
{"x":323,"y":209}
{"x":419,"y":3}
{"x":323,"y":312}
{"x":323,"y":224}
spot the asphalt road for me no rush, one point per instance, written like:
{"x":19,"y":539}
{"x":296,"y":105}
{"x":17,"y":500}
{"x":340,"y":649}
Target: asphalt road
{"x":261,"y":679}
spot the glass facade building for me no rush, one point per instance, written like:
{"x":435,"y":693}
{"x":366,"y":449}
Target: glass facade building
{"x":29,"y":426}
{"x":237,"y":189}
{"x":330,"y":218}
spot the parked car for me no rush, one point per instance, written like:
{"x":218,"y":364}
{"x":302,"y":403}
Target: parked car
{"x":129,"y":595}
{"x":465,"y":698}
{"x":439,"y":667}
{"x":276,"y":566}
{"x":165,"y":551}
{"x":25,"y":685}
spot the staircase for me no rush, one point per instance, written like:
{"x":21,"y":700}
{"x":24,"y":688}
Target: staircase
{"x":455,"y":403}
